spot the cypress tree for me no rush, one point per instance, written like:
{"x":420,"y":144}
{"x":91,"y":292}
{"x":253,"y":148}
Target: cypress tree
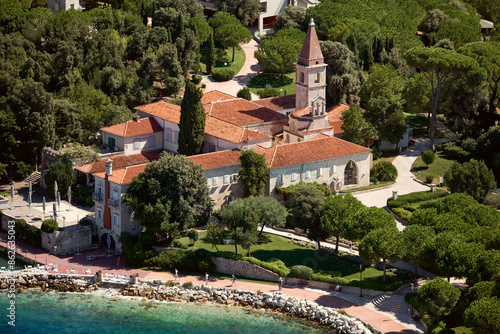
{"x":153,"y":9}
{"x":144,"y":15}
{"x":367,"y":57}
{"x":180,"y":26}
{"x":210,"y":56}
{"x":192,"y":122}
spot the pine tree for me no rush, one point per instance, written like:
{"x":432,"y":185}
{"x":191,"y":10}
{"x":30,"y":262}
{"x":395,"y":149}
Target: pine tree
{"x":192,"y":123}
{"x":210,"y":56}
{"x":144,"y":14}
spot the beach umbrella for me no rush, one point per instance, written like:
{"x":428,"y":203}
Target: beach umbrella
{"x":43,"y":205}
{"x":55,"y":210}
{"x":55,"y":189}
{"x":31,"y":187}
{"x":58,"y":198}
{"x":29,"y":203}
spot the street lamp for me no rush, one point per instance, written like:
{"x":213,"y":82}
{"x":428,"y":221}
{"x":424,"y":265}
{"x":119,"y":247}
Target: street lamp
{"x":361,"y":280}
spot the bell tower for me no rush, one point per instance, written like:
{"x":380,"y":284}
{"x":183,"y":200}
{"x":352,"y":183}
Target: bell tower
{"x":310,"y":79}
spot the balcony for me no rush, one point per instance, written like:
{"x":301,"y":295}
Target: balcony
{"x":114,"y":203}
{"x":97,"y":197}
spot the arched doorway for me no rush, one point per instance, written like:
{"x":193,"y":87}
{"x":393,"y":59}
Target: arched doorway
{"x":104,"y":241}
{"x":350,"y":173}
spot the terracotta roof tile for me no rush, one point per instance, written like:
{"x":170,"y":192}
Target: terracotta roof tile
{"x":310,"y":53}
{"x":214,"y":96}
{"x":242,"y":112}
{"x":164,"y":110}
{"x":334,"y":113}
{"x":123,"y":175}
{"x":217,"y":159}
{"x":134,"y":128}
{"x":308,"y":151}
{"x":278,"y":102}
{"x":120,"y":162}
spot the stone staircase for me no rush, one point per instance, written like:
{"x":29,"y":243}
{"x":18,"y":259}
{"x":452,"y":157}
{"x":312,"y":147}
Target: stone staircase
{"x":34,"y":178}
{"x":392,"y":303}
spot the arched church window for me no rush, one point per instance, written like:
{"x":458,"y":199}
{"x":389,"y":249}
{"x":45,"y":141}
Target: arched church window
{"x":301,"y":76}
{"x":350,"y":173}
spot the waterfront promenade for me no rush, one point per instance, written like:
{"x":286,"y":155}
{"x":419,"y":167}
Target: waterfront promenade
{"x":379,"y":320}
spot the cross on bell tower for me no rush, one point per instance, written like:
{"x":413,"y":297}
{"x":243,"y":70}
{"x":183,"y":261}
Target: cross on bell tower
{"x":310,"y":80}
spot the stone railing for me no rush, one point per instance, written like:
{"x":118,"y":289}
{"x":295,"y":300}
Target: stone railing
{"x":114,"y":203}
{"x":97,"y":197}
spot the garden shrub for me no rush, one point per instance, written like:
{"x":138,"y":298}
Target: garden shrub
{"x":170,"y":284}
{"x":403,"y":214}
{"x":193,"y":235}
{"x":429,"y":178}
{"x":456,"y":153}
{"x":136,"y":255}
{"x":270,"y":92}
{"x":384,"y":171}
{"x":50,"y":225}
{"x":302,"y":272}
{"x":319,"y":277}
{"x":245,"y":93}
{"x":428,"y":157}
{"x":416,"y":197}
{"x":178,"y":244}
{"x":203,"y":86}
{"x":377,"y":153}
{"x":196,"y":79}
{"x":224,"y":74}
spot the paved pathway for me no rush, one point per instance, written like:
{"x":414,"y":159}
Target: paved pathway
{"x":384,"y":322}
{"x":247,"y":72}
{"x":405,"y":182}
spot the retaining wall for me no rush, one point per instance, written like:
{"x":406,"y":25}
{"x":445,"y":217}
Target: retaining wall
{"x":243,"y":268}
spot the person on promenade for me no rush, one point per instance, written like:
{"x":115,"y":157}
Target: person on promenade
{"x":234,"y":281}
{"x":206,"y":278}
{"x":350,"y":247}
{"x":280,"y":283}
{"x":176,"y":275}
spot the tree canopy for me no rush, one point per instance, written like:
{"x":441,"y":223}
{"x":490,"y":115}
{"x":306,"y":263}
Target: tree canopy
{"x":473,"y":178}
{"x":253,"y":173}
{"x":228,"y":30}
{"x":192,"y":121}
{"x":246,"y":11}
{"x":168,"y":195}
{"x":439,"y":296}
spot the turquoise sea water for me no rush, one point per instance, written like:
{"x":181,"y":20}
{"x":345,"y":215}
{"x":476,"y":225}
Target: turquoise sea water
{"x":38,"y":312}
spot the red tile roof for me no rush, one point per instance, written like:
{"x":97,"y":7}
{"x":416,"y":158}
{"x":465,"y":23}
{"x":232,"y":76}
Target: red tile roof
{"x":217,"y":159}
{"x":134,"y":128}
{"x":120,"y":162}
{"x":334,"y":114}
{"x":308,"y":151}
{"x":164,"y":110}
{"x":123,"y":175}
{"x":242,"y":112}
{"x":278,"y":102}
{"x":310,"y":54}
{"x":214,"y":96}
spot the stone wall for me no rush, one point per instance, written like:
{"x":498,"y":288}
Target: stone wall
{"x":326,"y":286}
{"x":67,"y":241}
{"x":243,"y":268}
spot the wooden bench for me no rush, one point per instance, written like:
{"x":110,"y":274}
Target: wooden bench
{"x":303,"y":283}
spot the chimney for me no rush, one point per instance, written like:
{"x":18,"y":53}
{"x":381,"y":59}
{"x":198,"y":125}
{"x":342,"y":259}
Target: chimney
{"x":109,"y":169}
{"x":137,"y":118}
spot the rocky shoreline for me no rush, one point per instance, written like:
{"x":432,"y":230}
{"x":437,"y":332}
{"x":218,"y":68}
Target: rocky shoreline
{"x":276,"y":302}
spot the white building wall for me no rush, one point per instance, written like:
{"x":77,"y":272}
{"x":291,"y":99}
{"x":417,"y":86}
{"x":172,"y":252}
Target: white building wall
{"x":143,"y":143}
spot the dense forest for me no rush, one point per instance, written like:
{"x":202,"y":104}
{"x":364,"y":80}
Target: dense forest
{"x":63,"y":76}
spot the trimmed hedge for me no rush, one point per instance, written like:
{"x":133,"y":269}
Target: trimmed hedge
{"x":384,"y":171}
{"x":415,"y":197}
{"x":302,"y":272}
{"x":428,"y":157}
{"x":245,"y":93}
{"x":402,"y":213}
{"x":189,"y":260}
{"x":271,"y":92}
{"x":224,"y":74}
{"x":196,"y":79}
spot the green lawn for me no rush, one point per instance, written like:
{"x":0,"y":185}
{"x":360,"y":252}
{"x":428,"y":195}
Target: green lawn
{"x":373,"y":186}
{"x":438,"y":168}
{"x":226,"y":57}
{"x":273,"y":246}
{"x":260,"y":81}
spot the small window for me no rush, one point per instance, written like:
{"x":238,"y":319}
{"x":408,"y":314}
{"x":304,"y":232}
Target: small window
{"x":99,"y":214}
{"x":115,"y":195}
{"x":176,"y":136}
{"x":279,"y":179}
{"x":301,"y":76}
{"x":115,"y":220}
{"x":294,"y":177}
{"x":136,"y":143}
{"x":308,"y":174}
{"x":225,"y":179}
{"x":318,"y":173}
{"x":214,"y":181}
{"x":169,"y":134}
{"x":209,"y":182}
{"x":151,"y":141}
{"x":318,"y":78}
{"x":234,"y":178}
{"x":332,"y":169}
{"x":99,"y":190}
